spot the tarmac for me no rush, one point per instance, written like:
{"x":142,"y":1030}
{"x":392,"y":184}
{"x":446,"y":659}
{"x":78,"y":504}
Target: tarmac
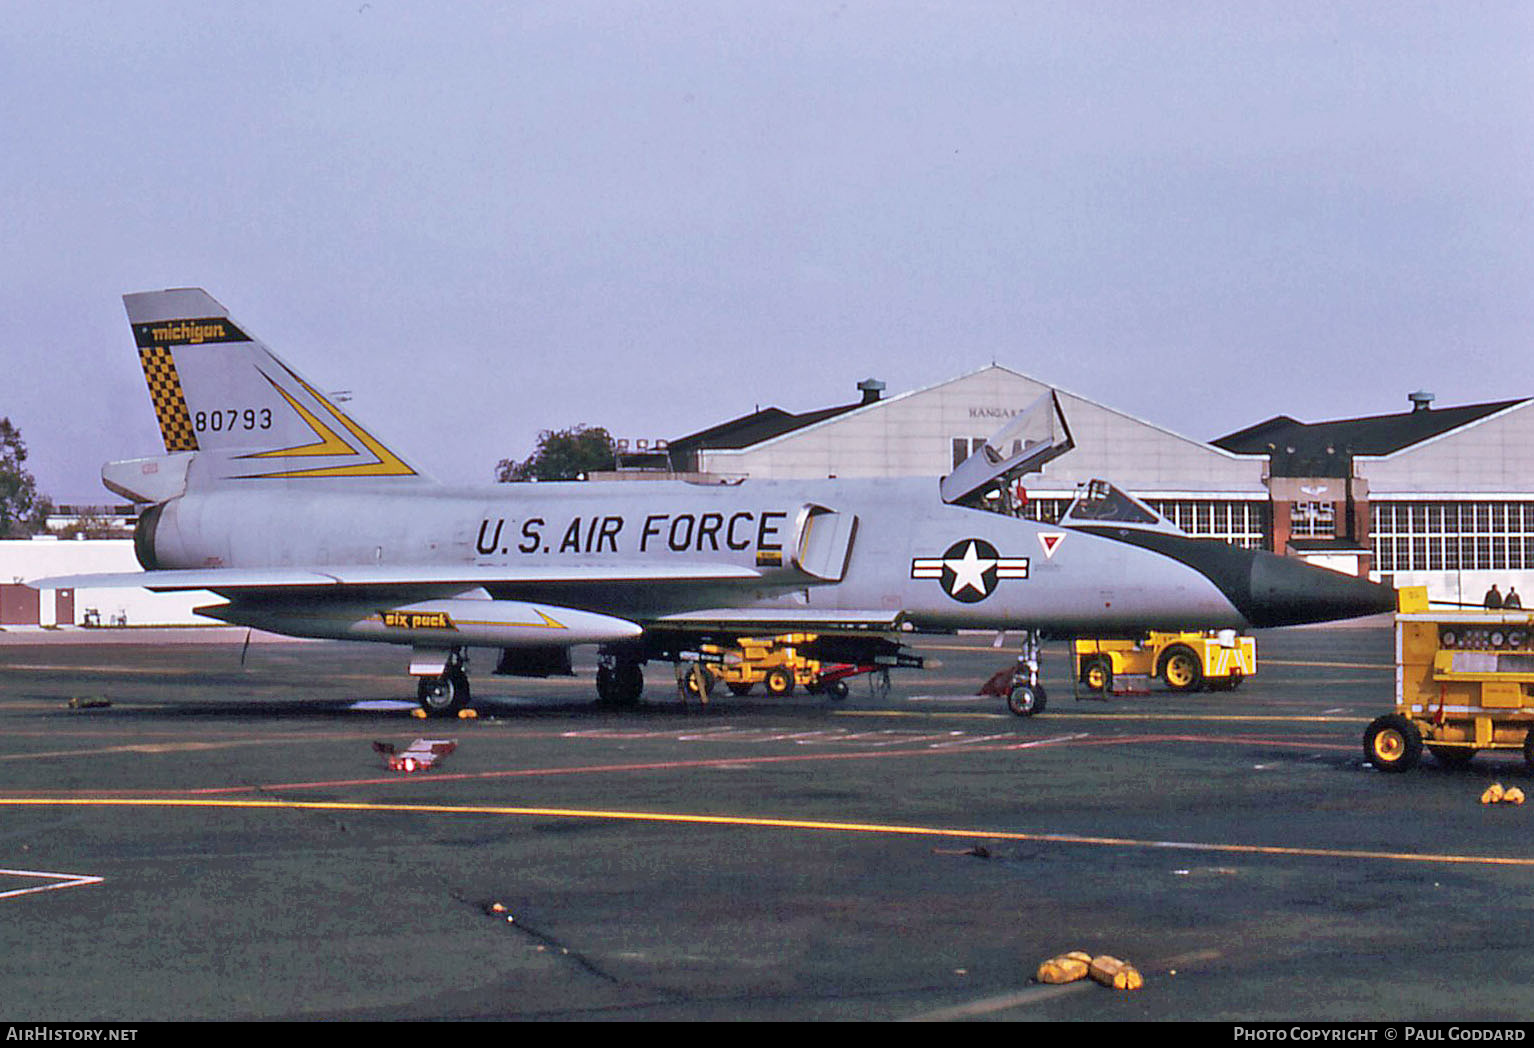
{"x":207,"y":833}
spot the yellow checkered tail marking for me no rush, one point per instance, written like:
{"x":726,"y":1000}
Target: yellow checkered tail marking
{"x":169,"y":401}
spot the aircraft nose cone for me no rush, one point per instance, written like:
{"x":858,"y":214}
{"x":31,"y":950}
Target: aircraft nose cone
{"x":1283,"y":591}
{"x":1265,"y":588}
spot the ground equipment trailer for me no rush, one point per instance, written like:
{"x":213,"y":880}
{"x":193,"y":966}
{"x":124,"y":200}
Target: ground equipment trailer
{"x":776,"y":664}
{"x":1217,"y":660}
{"x":773,"y":662}
{"x":1464,"y":683}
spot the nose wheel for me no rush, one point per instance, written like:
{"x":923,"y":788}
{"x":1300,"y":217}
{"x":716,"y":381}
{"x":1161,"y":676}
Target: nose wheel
{"x":1026,"y":695}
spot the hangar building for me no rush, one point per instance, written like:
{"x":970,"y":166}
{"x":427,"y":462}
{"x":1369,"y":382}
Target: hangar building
{"x":1206,"y":490}
{"x":1442,"y":497}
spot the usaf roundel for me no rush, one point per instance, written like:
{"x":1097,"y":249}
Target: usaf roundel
{"x":970,"y":569}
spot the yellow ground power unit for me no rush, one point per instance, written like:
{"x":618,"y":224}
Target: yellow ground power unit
{"x":1464,"y":683}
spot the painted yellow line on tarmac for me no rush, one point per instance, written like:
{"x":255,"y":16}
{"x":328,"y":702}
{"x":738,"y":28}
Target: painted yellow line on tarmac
{"x":1331,"y":665}
{"x":764,"y":823}
{"x":1086,"y":715}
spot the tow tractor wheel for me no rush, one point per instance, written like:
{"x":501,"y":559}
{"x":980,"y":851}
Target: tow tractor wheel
{"x":1452,"y":756}
{"x":780,"y":681}
{"x":1026,"y":699}
{"x":444,"y":696}
{"x":1180,"y":669}
{"x":1393,"y":743}
{"x":1097,"y":675}
{"x":699,"y":682}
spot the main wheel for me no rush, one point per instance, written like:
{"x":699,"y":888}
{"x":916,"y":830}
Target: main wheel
{"x":1026,"y":699}
{"x":628,"y":683}
{"x":1393,"y":743}
{"x":619,"y":684}
{"x":780,"y":681}
{"x":1181,"y":669}
{"x":444,"y":696}
{"x":1097,"y":674}
{"x":837,"y":689}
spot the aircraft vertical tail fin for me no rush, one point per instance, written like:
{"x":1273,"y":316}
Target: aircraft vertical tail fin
{"x":218,"y":390}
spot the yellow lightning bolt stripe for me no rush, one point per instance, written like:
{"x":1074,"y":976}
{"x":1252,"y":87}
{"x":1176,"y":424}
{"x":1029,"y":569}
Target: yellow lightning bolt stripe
{"x":386,"y":464}
{"x":547,"y":623}
{"x":766,"y":823}
{"x":328,"y":444}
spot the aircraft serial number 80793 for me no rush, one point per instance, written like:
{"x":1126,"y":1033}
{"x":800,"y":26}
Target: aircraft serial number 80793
{"x":305,"y":523}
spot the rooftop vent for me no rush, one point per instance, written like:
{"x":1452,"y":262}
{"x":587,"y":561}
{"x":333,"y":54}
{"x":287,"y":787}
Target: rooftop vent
{"x":1421,"y":400}
{"x":872,"y":389}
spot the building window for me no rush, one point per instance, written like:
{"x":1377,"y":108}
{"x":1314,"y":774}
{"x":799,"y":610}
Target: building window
{"x":964,"y":447}
{"x":1453,"y":536}
{"x":1313,"y":520}
{"x":1240,"y":523}
{"x":1237,"y":522}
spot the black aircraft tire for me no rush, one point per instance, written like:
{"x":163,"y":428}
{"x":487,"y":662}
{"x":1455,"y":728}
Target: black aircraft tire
{"x":1027,"y":700}
{"x":444,"y":696}
{"x":628,"y":684}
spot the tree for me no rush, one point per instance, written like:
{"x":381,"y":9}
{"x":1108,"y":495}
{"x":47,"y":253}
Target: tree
{"x":22,"y":510}
{"x":566,"y":454}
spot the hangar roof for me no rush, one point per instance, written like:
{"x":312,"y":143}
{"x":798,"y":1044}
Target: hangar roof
{"x":760,"y":425}
{"x":1326,"y":449}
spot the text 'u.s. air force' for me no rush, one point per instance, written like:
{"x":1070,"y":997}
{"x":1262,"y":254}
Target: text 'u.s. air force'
{"x":759,"y":530}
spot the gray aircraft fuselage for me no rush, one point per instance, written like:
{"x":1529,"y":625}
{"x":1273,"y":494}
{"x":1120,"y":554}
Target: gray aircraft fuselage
{"x":940,"y":566}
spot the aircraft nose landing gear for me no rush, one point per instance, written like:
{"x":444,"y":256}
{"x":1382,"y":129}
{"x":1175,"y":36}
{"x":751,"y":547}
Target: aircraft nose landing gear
{"x":1025,"y":696}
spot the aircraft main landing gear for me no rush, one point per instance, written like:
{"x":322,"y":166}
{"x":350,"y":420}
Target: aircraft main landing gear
{"x":448,"y":692}
{"x":620,"y":682}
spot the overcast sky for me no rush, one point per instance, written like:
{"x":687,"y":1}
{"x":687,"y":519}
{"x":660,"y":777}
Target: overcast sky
{"x":489,"y":219}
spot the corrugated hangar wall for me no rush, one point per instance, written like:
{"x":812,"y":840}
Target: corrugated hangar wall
{"x":1204,"y":489}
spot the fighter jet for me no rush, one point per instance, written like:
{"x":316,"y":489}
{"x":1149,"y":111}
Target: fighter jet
{"x":305,"y":523}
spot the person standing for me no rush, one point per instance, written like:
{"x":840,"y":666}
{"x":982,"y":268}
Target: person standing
{"x":1493,"y":600}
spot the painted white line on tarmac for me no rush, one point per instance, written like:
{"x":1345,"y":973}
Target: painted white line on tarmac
{"x":59,"y":880}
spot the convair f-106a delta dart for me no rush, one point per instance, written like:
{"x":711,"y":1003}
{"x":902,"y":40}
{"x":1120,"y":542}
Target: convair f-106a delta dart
{"x":272,"y":497}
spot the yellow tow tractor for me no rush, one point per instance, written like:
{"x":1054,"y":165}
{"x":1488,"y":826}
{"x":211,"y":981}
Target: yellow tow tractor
{"x":1190,"y":660}
{"x":780,"y":665}
{"x":1464,"y":683}
{"x":772,"y":662}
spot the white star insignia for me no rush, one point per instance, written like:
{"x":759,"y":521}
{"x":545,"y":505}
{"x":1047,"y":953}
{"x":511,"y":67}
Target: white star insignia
{"x":969,"y":572}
